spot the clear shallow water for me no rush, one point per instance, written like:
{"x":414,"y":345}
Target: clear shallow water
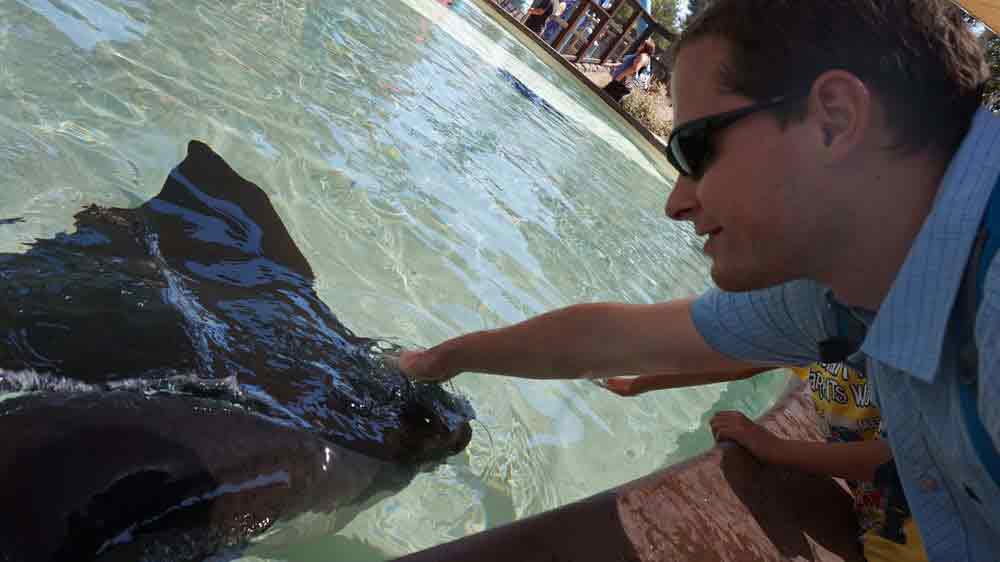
{"x":429,"y":195}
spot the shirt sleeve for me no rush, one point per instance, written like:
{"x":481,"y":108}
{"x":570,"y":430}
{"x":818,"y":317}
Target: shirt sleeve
{"x":779,"y":325}
{"x":987,"y":333}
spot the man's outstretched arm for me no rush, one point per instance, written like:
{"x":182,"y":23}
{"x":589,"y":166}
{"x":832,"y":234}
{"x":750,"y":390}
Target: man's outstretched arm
{"x":580,"y":341}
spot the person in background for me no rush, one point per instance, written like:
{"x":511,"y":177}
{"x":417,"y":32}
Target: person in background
{"x":599,"y":41}
{"x":854,"y":450}
{"x":630,"y":70}
{"x":552,"y":27}
{"x":538,"y":13}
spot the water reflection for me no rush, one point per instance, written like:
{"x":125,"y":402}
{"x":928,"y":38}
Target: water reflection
{"x":88,"y":22}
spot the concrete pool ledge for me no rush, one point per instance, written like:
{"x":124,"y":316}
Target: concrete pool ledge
{"x":529,"y":35}
{"x":719,"y":506}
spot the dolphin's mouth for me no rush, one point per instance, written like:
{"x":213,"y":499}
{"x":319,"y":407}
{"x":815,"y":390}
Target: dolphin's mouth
{"x":430,"y":430}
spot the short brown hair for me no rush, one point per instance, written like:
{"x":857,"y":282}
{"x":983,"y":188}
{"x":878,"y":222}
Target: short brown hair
{"x":918,"y":56}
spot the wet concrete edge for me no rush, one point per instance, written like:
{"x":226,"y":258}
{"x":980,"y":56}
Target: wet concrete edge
{"x":719,"y":506}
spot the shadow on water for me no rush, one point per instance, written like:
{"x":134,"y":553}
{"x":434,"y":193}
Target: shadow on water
{"x":191,"y":325}
{"x":530,"y":94}
{"x":736,"y":396}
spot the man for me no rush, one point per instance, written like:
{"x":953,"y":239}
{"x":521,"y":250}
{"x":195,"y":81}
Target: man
{"x":553,"y":27}
{"x":538,"y":13}
{"x":836,"y":158}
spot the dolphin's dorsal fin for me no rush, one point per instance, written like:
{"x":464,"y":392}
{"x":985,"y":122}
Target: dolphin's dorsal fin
{"x":208,"y":213}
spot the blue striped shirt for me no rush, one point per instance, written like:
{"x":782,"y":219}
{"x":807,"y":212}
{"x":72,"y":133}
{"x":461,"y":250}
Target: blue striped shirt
{"x":911,"y":352}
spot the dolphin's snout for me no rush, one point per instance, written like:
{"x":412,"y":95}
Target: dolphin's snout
{"x":463,"y":435}
{"x":429,"y":436}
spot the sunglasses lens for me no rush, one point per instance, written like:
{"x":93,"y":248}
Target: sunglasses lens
{"x":687,"y":148}
{"x":676,"y":156}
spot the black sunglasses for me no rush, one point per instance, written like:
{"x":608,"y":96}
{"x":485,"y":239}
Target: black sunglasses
{"x":690,"y":146}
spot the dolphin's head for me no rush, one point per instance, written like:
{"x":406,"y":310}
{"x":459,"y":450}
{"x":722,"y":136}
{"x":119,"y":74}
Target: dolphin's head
{"x":431,"y":435}
{"x":204,"y":278}
{"x":432,"y":423}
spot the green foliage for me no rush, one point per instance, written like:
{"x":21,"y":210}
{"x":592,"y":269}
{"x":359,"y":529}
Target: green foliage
{"x":665,"y":12}
{"x":993,"y":57}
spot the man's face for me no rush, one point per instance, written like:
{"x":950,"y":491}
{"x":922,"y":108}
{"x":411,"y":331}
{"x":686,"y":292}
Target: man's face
{"x":750,"y":202}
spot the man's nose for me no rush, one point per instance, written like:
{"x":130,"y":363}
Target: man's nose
{"x":682,"y":203}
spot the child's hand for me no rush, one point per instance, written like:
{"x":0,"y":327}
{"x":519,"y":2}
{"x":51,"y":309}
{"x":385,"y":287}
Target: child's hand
{"x":734,"y":426}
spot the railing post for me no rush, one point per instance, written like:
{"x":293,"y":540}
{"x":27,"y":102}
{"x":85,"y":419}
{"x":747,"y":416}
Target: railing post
{"x":605,"y":22}
{"x":560,"y":42}
{"x":631,"y":23}
{"x":618,"y":6}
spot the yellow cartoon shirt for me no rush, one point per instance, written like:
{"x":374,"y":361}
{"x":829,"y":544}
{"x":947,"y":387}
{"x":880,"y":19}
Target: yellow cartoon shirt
{"x":847,"y":412}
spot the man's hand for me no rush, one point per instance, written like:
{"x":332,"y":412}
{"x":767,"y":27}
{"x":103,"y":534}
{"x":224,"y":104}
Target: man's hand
{"x":734,"y":426}
{"x":423,"y":366}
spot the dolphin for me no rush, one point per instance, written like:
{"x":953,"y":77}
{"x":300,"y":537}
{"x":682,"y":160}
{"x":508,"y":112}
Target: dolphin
{"x":171,"y":384}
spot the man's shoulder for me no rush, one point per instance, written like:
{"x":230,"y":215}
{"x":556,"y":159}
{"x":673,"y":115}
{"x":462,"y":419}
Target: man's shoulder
{"x":781,"y":324}
{"x":799,"y":296}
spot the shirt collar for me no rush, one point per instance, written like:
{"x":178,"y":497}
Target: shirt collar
{"x":908,"y":331}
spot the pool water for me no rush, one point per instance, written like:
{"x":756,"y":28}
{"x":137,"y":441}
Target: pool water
{"x":431,"y":195}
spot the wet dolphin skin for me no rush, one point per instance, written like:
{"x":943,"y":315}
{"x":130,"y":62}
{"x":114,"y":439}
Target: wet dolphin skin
{"x":172,"y":384}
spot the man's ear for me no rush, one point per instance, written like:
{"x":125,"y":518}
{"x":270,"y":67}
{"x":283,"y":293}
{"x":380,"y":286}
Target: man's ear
{"x":840,"y":111}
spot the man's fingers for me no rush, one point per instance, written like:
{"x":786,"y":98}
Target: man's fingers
{"x":391,"y":360}
{"x":413,"y":365}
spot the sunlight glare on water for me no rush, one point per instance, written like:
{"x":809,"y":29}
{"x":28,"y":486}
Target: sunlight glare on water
{"x":430,"y":197}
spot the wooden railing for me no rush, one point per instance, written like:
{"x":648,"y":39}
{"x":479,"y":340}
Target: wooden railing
{"x":592,"y":34}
